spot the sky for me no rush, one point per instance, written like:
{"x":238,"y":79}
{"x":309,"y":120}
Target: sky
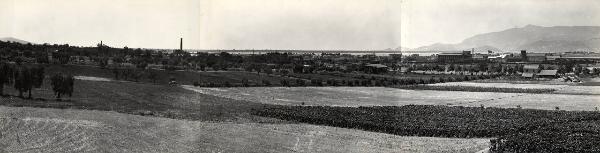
{"x":430,"y":21}
{"x":280,"y":24}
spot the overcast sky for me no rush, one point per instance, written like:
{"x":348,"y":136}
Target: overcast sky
{"x":280,"y":24}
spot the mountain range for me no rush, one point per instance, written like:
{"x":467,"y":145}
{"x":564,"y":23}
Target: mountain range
{"x":531,"y":38}
{"x":11,"y":39}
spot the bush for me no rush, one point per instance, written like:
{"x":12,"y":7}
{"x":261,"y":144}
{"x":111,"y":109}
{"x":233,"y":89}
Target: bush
{"x":266,"y":82}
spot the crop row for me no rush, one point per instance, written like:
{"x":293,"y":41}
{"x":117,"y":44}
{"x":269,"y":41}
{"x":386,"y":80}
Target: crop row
{"x":515,"y":128}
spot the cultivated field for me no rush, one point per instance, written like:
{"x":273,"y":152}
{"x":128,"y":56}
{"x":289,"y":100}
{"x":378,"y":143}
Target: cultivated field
{"x":379,"y":96}
{"x":560,"y":89}
{"x":63,"y":130}
{"x":173,"y":119}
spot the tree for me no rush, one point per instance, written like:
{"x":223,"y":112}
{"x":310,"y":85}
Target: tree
{"x":578,"y":70}
{"x":409,"y":69}
{"x":266,"y":82}
{"x":300,"y":82}
{"x":245,"y":82}
{"x":432,"y":80}
{"x":39,"y":76}
{"x":62,"y":85}
{"x":284,"y":83}
{"x":595,"y":71}
{"x":585,"y":71}
{"x":561,"y":69}
{"x":137,"y":75}
{"x":451,"y":67}
{"x":116,"y":73}
{"x":23,"y":80}
{"x":269,"y":71}
{"x":6,"y":72}
{"x":152,"y":76}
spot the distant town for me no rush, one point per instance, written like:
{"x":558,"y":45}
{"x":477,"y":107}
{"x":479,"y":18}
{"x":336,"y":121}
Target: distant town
{"x":525,"y":64}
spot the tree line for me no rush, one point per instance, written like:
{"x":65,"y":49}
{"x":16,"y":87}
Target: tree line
{"x":24,"y":78}
{"x":303,"y":81}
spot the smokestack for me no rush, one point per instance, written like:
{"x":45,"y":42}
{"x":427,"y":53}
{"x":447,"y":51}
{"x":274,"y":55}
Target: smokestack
{"x":180,"y":43}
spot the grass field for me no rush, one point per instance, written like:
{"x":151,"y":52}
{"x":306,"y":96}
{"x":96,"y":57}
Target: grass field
{"x":574,"y":89}
{"x":379,"y":96}
{"x":182,"y":77}
{"x":139,"y":98}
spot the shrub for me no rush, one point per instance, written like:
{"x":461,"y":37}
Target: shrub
{"x":266,"y":82}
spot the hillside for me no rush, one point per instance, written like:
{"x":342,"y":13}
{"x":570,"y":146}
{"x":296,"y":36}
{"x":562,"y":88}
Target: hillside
{"x":11,"y":39}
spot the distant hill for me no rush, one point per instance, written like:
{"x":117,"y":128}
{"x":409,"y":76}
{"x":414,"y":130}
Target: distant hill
{"x":531,"y":38}
{"x":401,"y":48}
{"x":437,"y":47}
{"x":11,"y":39}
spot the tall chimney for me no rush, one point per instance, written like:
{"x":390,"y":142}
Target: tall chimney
{"x":180,"y":43}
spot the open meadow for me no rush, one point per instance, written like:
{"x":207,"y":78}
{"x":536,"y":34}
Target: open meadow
{"x":565,"y":99}
{"x":163,"y":76}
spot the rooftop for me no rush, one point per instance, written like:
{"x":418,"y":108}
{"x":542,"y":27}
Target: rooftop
{"x":376,"y":65}
{"x":531,"y":66}
{"x":547,"y":72}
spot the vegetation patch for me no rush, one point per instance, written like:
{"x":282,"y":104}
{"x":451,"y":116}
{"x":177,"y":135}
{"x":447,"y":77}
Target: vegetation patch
{"x":520,"y":130}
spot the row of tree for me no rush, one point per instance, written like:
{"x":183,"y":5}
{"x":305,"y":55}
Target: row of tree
{"x":24,"y":78}
{"x":366,"y":82}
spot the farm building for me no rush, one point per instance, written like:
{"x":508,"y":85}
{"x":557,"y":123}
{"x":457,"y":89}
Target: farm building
{"x":480,"y":57}
{"x":548,"y":74}
{"x":552,"y":57}
{"x":376,"y":68}
{"x":463,"y":56}
{"x":530,"y":70}
{"x":536,"y":57}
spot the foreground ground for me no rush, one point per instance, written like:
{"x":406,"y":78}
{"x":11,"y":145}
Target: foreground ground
{"x":24,"y":129}
{"x":189,"y":119}
{"x":173,"y":119}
